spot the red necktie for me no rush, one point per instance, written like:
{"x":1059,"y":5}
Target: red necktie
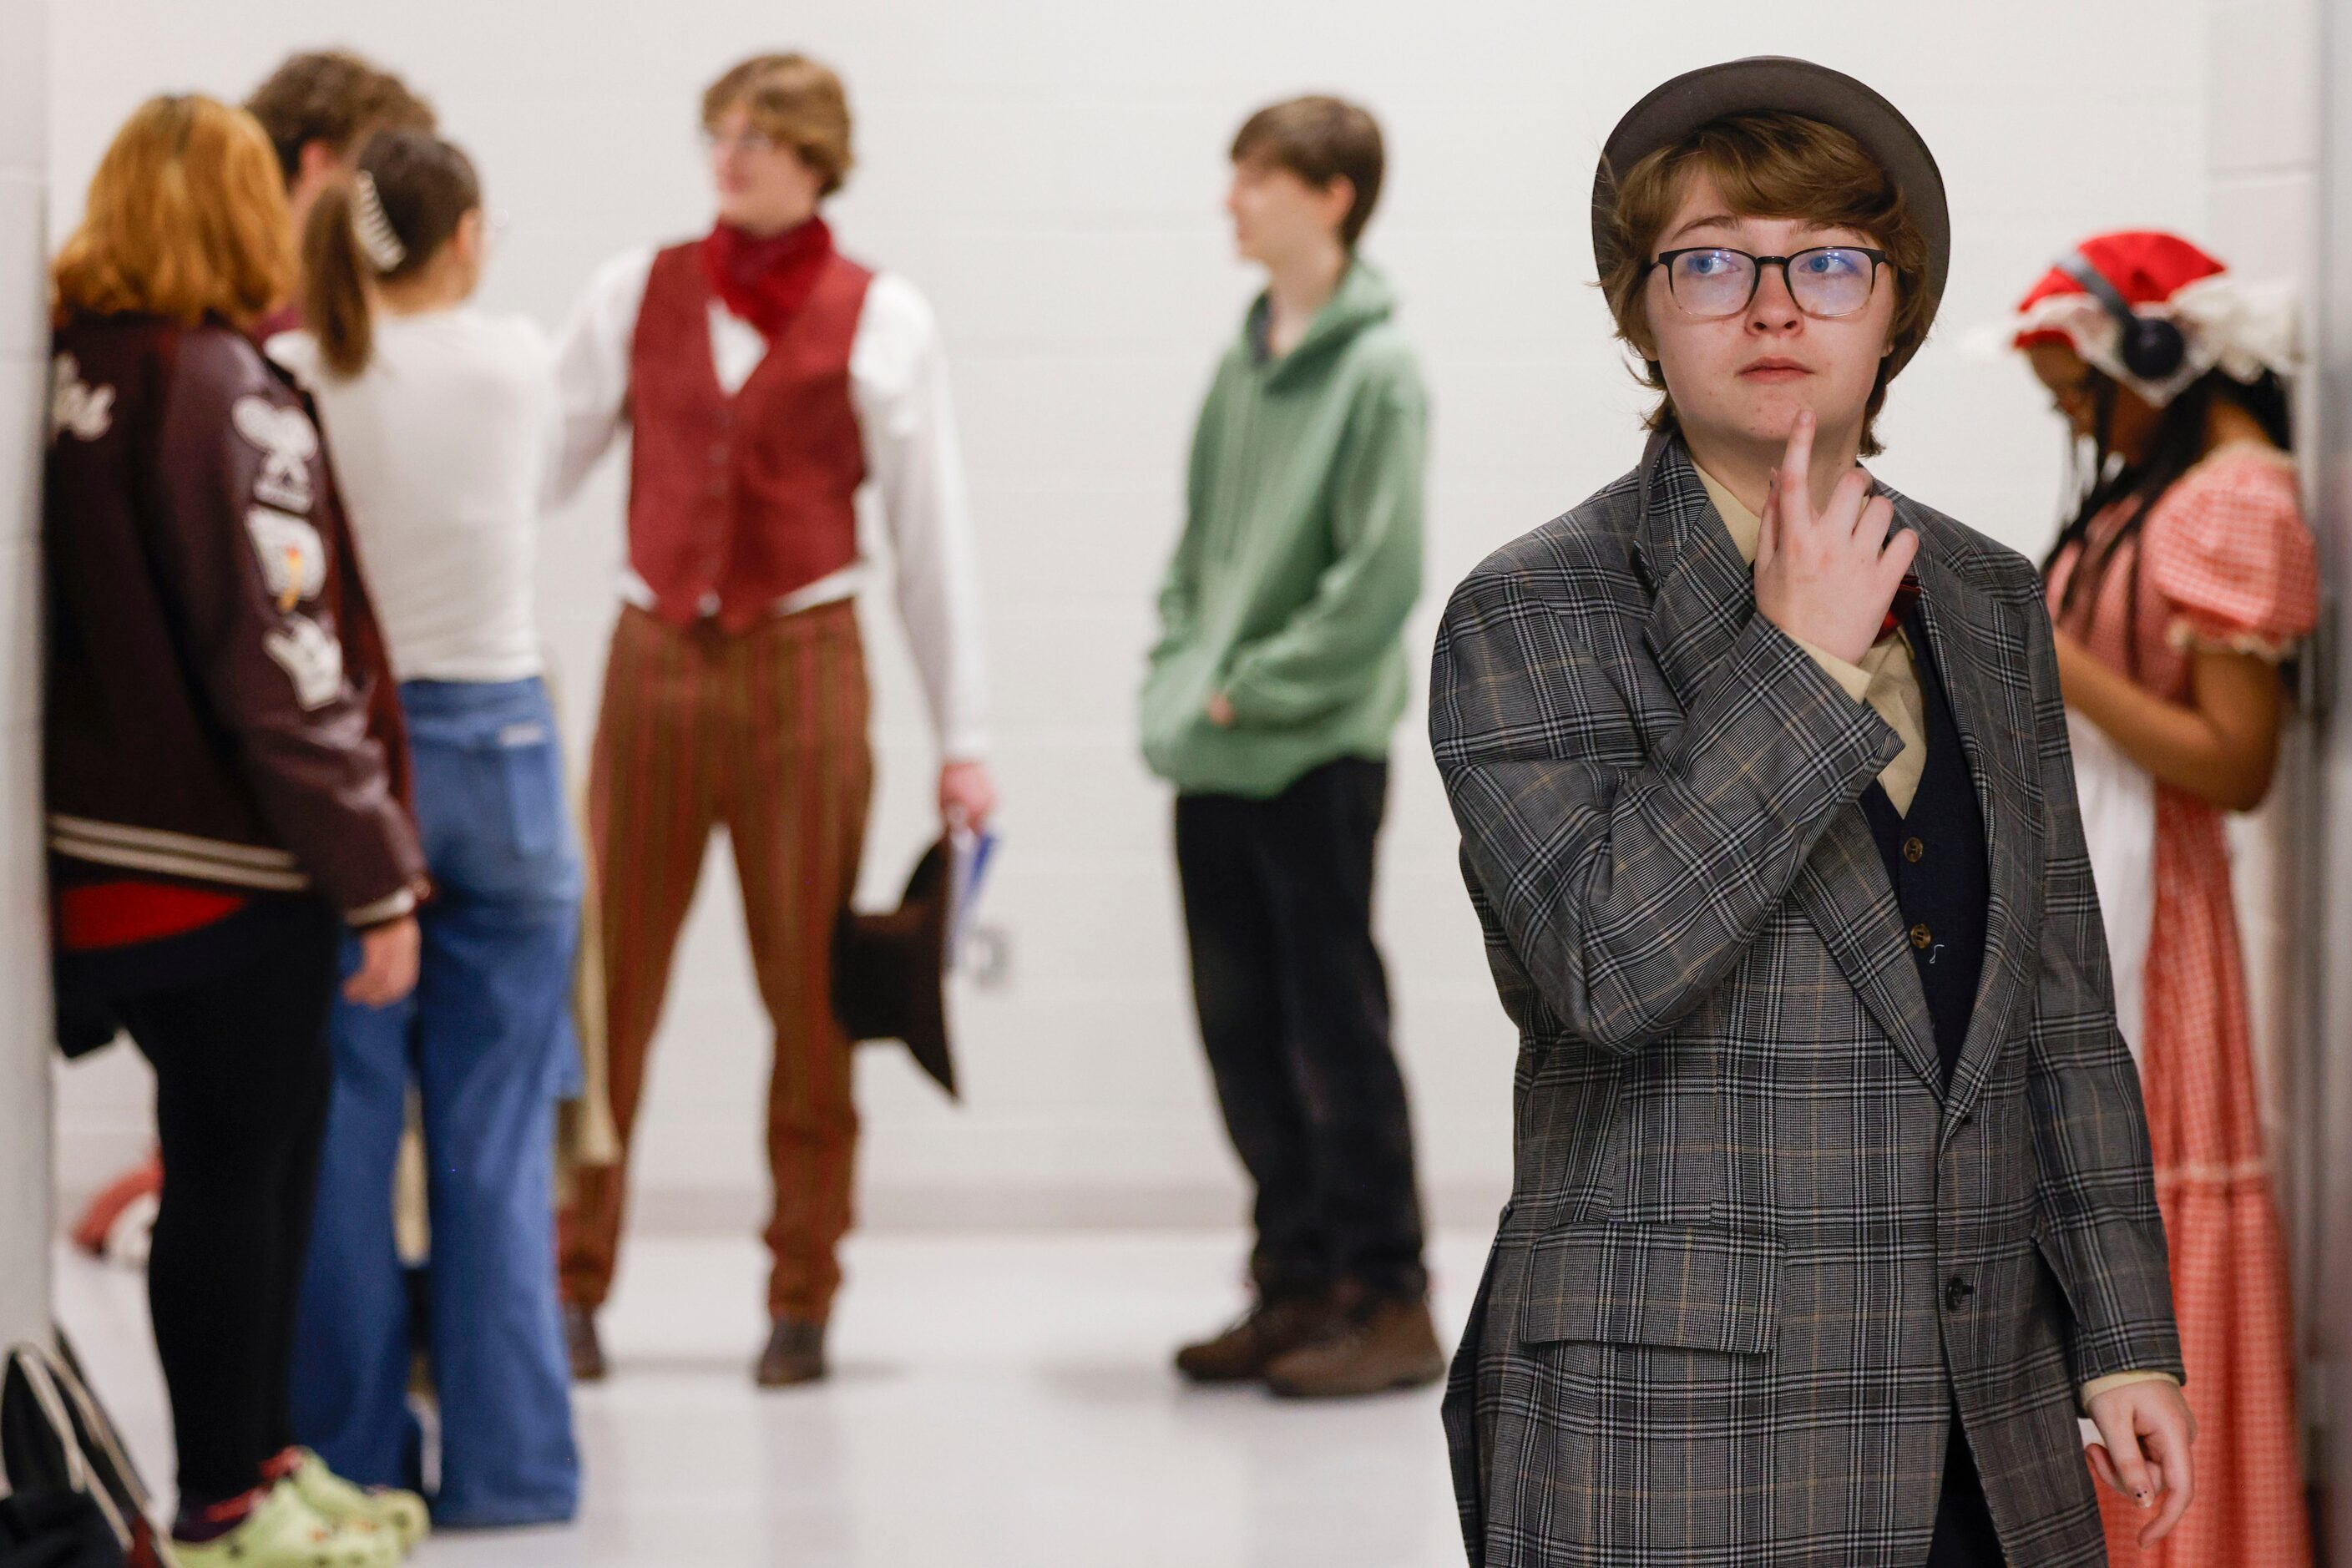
{"x":1906,"y":598}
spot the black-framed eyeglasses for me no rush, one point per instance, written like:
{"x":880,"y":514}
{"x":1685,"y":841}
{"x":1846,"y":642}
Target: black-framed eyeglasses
{"x":1710,"y":281}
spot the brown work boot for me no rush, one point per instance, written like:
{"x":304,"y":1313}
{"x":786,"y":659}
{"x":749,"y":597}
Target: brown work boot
{"x":580,"y":1342}
{"x":1267,"y":1330}
{"x":1374,"y":1344}
{"x":795,"y":1354}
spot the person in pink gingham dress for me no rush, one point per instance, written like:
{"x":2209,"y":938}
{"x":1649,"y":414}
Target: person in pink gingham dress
{"x":2186,"y":578}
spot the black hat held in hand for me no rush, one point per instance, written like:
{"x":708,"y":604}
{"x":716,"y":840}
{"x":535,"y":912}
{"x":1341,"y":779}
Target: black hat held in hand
{"x":889,"y":970}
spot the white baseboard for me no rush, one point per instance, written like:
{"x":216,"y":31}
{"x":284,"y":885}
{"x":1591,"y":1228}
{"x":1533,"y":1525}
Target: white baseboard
{"x":677,"y":1210}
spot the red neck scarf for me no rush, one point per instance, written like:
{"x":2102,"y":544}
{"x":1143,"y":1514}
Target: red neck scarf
{"x":765,"y":279}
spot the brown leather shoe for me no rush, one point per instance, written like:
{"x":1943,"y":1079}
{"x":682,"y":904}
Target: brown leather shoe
{"x":580,"y":1341}
{"x":1260,"y":1336}
{"x":1380,"y":1343}
{"x":795,"y":1354}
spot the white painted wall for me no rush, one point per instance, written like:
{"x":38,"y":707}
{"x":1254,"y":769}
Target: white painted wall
{"x":1049,"y":172}
{"x":24,"y":378}
{"x":2263,"y":174}
{"x":2328,"y":1236}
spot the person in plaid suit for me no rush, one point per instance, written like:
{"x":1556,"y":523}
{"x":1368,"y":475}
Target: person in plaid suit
{"x":1833,"y":1209}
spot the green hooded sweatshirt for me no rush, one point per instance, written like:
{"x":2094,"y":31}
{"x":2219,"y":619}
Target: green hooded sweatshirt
{"x":1300,"y":557}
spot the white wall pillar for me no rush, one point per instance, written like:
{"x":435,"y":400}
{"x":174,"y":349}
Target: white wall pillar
{"x":2264,"y":181}
{"x":23,"y":966}
{"x":2328,"y":1330}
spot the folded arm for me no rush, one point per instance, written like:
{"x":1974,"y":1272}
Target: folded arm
{"x":1630,"y":879}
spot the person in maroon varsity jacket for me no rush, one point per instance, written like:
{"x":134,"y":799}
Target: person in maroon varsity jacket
{"x":221,"y":810}
{"x":769,"y":382}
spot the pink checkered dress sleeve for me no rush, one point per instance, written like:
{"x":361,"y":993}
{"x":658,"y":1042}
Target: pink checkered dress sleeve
{"x":2230,"y":555}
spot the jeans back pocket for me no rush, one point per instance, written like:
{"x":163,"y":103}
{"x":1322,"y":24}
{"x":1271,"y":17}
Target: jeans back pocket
{"x":492,"y":803}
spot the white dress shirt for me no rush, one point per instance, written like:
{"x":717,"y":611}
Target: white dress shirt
{"x":914,"y":473}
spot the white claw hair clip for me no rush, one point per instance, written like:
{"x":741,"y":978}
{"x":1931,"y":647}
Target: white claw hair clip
{"x":373,"y":228}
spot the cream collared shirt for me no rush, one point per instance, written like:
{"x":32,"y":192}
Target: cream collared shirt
{"x":1888,"y":679}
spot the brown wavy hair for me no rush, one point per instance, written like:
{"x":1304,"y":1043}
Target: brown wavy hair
{"x":186,"y":218}
{"x":794,"y":101}
{"x":426,"y":186}
{"x":335,"y":98}
{"x":1765,"y":166}
{"x":1320,"y":139}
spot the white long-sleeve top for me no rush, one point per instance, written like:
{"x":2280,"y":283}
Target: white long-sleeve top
{"x":442,"y":446}
{"x":898,"y":385}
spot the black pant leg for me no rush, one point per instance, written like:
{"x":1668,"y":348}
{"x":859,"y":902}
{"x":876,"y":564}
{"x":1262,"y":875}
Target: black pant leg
{"x":242,"y":1075}
{"x":1965,"y":1536}
{"x":309,"y":1092}
{"x":1237,"y":990}
{"x":1320,"y":859}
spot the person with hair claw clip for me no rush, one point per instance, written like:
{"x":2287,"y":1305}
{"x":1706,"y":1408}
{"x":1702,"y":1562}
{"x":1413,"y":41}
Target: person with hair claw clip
{"x":442,"y":419}
{"x":769,"y":384}
{"x":1833,"y":1210}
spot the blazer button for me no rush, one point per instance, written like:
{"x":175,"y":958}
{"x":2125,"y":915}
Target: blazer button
{"x":1955,"y":1291}
{"x":718,"y":460}
{"x":1921,"y":936}
{"x":1914,"y":851}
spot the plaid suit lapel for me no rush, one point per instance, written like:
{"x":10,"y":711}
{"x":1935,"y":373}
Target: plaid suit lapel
{"x":1704,"y":594}
{"x":1971,"y":637}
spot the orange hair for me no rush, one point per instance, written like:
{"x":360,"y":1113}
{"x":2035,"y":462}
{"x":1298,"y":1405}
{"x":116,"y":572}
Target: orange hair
{"x":186,"y":217}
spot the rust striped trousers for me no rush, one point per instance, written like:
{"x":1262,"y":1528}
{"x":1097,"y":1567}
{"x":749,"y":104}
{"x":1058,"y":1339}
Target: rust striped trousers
{"x":762,"y":735}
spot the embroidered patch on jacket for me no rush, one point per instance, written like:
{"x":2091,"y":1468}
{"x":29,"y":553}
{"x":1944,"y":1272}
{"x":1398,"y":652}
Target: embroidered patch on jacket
{"x":293,"y":558}
{"x":288,"y":441}
{"x":310,"y":658}
{"x":76,"y":408}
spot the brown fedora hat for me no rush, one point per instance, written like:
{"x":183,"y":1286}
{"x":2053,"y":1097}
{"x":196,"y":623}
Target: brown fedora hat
{"x":1780,"y":84}
{"x":889,"y":970}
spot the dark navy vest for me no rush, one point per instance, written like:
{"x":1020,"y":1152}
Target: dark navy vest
{"x":1934,"y":856}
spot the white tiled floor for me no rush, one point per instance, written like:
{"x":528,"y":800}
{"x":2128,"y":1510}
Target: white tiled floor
{"x":998,"y":1401}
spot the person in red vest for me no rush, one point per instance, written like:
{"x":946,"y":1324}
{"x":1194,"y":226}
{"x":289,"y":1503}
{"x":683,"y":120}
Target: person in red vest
{"x":769,"y":382}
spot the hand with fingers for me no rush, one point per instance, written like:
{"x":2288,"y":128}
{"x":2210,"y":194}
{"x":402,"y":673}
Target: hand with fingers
{"x":1827,"y":577}
{"x":967,"y":796}
{"x":2145,"y":1433}
{"x":389,"y":954}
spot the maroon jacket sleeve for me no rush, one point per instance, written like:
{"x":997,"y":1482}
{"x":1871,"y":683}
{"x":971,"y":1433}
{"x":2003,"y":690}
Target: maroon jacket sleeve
{"x":242,"y":482}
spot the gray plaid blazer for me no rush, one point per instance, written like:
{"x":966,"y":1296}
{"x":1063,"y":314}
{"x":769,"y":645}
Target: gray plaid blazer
{"x":1756,"y":1253}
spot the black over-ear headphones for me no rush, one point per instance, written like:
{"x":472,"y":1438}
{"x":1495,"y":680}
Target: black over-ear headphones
{"x":2150,"y":347}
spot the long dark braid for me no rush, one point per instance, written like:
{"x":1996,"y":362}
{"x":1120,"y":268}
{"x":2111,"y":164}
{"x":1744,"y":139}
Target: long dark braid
{"x":2176,"y":446}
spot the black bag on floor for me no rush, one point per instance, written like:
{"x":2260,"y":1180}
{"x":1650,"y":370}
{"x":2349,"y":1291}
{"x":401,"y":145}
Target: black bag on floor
{"x":57,"y":1529}
{"x":74,"y":1500}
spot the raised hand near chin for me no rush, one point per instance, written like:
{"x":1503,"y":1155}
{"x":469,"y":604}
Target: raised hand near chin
{"x":1826,"y":578}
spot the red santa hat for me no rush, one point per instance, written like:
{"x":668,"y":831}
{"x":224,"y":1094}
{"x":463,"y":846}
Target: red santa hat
{"x":2241,"y":329}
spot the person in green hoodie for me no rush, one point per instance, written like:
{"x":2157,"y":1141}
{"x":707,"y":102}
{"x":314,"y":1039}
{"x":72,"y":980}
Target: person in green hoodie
{"x":1279,"y":675}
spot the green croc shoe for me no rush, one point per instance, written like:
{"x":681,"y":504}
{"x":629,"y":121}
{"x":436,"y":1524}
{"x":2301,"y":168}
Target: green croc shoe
{"x":284,"y":1532}
{"x":402,"y":1515}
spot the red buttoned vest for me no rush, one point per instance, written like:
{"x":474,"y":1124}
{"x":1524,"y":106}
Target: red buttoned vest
{"x":738,"y":502}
